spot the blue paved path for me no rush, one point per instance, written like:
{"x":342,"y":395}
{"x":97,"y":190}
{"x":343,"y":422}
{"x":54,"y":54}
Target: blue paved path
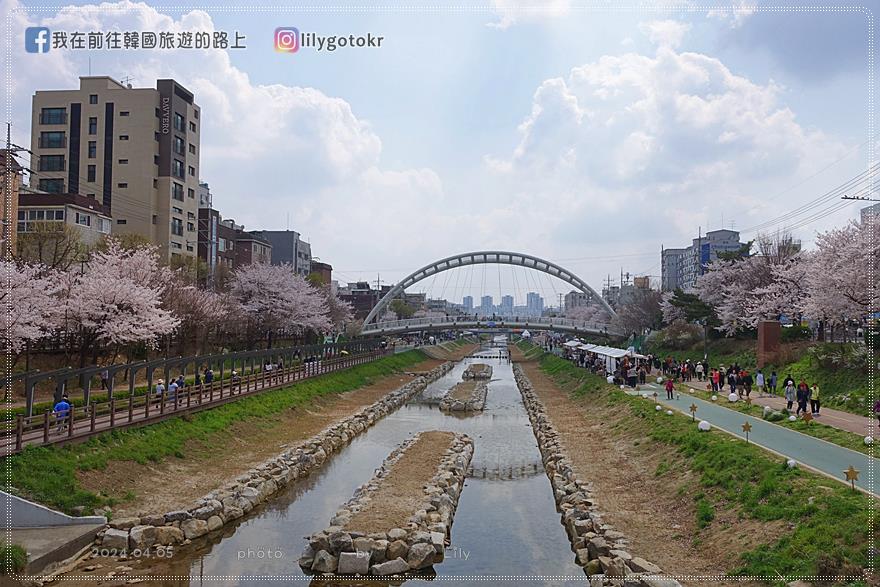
{"x":821,"y":455}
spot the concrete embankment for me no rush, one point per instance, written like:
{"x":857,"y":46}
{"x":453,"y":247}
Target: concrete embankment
{"x":599,"y":548}
{"x":234,"y":500}
{"x":400,"y":520}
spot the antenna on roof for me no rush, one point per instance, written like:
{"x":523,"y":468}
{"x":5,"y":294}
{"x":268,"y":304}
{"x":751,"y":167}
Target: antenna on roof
{"x":126,"y":80}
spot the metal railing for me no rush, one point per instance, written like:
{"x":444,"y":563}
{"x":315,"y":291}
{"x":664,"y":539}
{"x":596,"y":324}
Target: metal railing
{"x":149,"y":407}
{"x":467,"y":322}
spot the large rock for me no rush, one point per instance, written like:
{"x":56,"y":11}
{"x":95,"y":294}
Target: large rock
{"x":598,"y":547}
{"x":168,"y":535}
{"x":640,"y":565}
{"x":115,"y":539}
{"x":324,"y":562}
{"x":177,"y":516}
{"x":341,"y":542}
{"x":214,"y":522}
{"x":392,"y":567}
{"x":378,"y":551}
{"x":194,"y":528}
{"x":142,"y":537}
{"x":420,"y":556}
{"x":354,"y":563}
{"x":127,"y":523}
{"x":152,"y":520}
{"x":613,"y":567}
{"x":396,"y":534}
{"x":397,"y":549}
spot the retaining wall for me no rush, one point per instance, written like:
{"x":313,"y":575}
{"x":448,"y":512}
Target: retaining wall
{"x":235,"y":499}
{"x":419,"y":545}
{"x":599,"y":548}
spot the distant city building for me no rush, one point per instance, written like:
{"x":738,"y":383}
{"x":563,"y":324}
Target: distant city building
{"x":680,"y":268}
{"x":250,"y":247}
{"x":576,"y":299}
{"x":205,"y":198}
{"x":467,"y":304}
{"x":324,"y":271}
{"x":289,"y":248}
{"x":487,"y":306}
{"x":870,"y":213}
{"x":224,"y":244}
{"x":133,"y":150}
{"x":506,"y":308}
{"x":534,"y":304}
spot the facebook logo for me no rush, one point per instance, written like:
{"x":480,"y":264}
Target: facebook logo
{"x":36,"y":39}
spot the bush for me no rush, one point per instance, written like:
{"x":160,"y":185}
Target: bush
{"x":678,"y":336}
{"x":13,"y":558}
{"x":796,"y":332}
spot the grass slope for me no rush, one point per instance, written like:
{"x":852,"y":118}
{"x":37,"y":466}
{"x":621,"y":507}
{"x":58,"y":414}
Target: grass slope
{"x":829,"y":523}
{"x":48,"y":474}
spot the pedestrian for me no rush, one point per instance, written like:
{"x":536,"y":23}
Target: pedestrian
{"x":181,"y":382}
{"x":105,"y":379}
{"x":788,"y":379}
{"x":814,"y":399}
{"x":789,"y":395}
{"x":699,"y":369}
{"x":160,"y":387}
{"x":773,"y":380}
{"x":722,"y":378}
{"x":198,"y":379}
{"x":731,"y":381}
{"x":715,"y":378}
{"x":61,"y":411}
{"x":877,"y":410}
{"x":759,"y":381}
{"x":209,"y":376}
{"x":172,"y":389}
{"x":670,"y":389}
{"x":803,"y":394}
{"x":747,"y":381}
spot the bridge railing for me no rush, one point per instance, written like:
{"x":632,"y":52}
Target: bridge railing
{"x":472,"y":322}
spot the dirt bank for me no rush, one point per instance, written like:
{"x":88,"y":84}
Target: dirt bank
{"x":657,"y":512}
{"x":174,"y":483}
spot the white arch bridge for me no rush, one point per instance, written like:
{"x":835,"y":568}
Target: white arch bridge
{"x":371,"y":326}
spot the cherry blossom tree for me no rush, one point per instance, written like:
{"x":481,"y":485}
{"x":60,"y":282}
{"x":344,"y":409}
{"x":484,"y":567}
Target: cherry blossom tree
{"x":200,"y":311}
{"x":588,"y":313}
{"x":116,"y":300}
{"x":339,"y":311}
{"x":29,"y":304}
{"x":275,"y":297}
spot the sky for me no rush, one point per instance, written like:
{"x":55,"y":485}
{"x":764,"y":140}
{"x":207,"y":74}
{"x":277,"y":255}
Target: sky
{"x":589,"y":137}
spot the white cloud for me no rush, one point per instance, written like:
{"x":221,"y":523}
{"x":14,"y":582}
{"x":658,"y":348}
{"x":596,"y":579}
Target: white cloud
{"x":510,"y":12}
{"x":665,"y":33}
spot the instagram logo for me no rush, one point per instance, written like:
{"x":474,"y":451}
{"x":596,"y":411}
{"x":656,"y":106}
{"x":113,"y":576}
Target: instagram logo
{"x":287,"y":39}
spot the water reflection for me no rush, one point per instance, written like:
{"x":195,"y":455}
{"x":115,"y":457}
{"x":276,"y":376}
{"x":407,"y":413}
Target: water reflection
{"x":506,"y":522}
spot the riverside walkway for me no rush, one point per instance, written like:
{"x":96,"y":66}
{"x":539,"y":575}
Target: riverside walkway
{"x":822,"y":456}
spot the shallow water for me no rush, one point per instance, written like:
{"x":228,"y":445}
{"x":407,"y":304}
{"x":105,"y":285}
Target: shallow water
{"x":506,"y":522}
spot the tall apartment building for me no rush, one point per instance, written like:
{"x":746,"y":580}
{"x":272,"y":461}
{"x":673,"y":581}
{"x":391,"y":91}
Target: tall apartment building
{"x":680,"y":268}
{"x":134,"y":150}
{"x":506,"y":308}
{"x":10,"y":183}
{"x":576,"y":299}
{"x":467,"y":304}
{"x":534,"y":304}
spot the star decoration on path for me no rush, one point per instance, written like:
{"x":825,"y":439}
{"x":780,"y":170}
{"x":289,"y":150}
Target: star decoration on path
{"x":808,"y":417}
{"x":748,"y":401}
{"x":852,"y":475}
{"x":693,"y":410}
{"x":747,"y":427}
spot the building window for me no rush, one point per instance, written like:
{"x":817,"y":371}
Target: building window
{"x":121,"y":221}
{"x":177,"y":169}
{"x":52,"y":163}
{"x":155,"y":183}
{"x":177,"y":226}
{"x":177,"y":191}
{"x":53,"y":186}
{"x":192,"y":126}
{"x":175,"y":245}
{"x":158,"y":114}
{"x":122,"y":184}
{"x":104,"y":225}
{"x":190,"y":193}
{"x":155,"y":219}
{"x":53,"y":116}
{"x":192,"y":149}
{"x":189,"y":248}
{"x":93,"y":98}
{"x":52,"y":140}
{"x":196,"y":114}
{"x":123,"y":137}
{"x":190,"y":215}
{"x":93,"y":125}
{"x":179,"y":122}
{"x":221,"y":245}
{"x":93,"y":149}
{"x":192,"y":171}
{"x":83,"y":219}
{"x":123,"y":113}
{"x":123,"y":161}
{"x":156,"y":135}
{"x":179,"y":144}
{"x":155,"y":159}
{"x":91,"y":173}
{"x":190,"y":227}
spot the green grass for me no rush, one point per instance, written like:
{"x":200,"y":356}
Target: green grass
{"x":829,"y":522}
{"x":48,"y":474}
{"x":13,"y":558}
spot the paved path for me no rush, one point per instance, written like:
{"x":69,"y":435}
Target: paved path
{"x":861,"y":425}
{"x":814,"y":453}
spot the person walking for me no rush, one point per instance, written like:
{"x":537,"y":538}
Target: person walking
{"x":731,"y":381}
{"x":699,"y":369}
{"x":759,"y":381}
{"x":814,"y":399}
{"x":789,"y":395}
{"x":747,"y":381}
{"x":716,"y":376}
{"x":105,"y":379}
{"x":172,"y":389}
{"x":722,"y":378}
{"x":803,"y":395}
{"x":209,"y":376}
{"x":61,"y":410}
{"x":160,"y":387}
{"x":877,"y":410}
{"x":670,"y":389}
{"x":773,"y":380}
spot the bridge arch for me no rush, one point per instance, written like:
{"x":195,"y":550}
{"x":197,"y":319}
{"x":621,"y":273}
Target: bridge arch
{"x":481,"y":258}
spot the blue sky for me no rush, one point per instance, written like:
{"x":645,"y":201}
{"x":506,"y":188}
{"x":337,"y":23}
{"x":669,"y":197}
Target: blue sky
{"x":565,"y":133}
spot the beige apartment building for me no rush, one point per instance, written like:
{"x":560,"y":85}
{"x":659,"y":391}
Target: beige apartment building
{"x":133,"y":150}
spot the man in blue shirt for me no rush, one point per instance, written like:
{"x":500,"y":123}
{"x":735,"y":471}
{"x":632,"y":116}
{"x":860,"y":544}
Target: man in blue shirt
{"x":62,"y":411}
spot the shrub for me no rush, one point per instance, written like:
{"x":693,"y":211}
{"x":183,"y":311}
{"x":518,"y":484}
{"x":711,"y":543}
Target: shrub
{"x":679,"y":335}
{"x":13,"y":558}
{"x":796,"y":332}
